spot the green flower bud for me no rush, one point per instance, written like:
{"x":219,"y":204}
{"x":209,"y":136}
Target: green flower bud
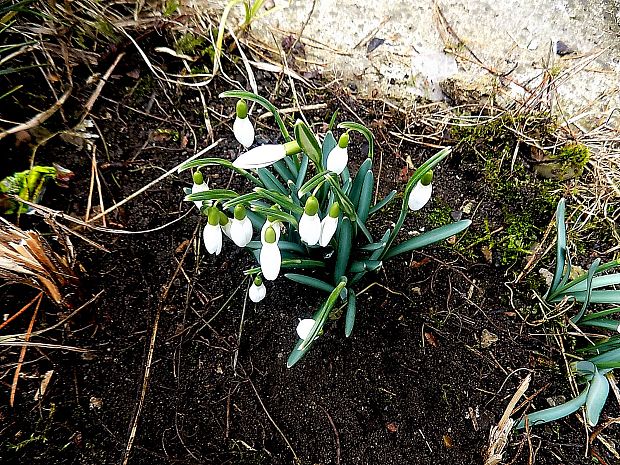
{"x":427,"y":178}
{"x":240,"y":212}
{"x":270,"y":235}
{"x":223,"y":219}
{"x":334,"y":211}
{"x":312,"y":206}
{"x":242,"y":109}
{"x":214,"y":216}
{"x":198,"y":177}
{"x":258,"y":281}
{"x":343,"y":141}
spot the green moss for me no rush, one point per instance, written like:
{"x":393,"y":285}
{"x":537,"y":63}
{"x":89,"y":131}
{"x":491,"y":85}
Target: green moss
{"x":567,"y":163}
{"x":439,"y":215}
{"x":189,"y":44}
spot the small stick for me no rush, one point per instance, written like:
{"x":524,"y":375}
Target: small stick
{"x":152,"y":183}
{"x":22,"y":354}
{"x":91,"y":101}
{"x":337,"y":436}
{"x":19,"y":312}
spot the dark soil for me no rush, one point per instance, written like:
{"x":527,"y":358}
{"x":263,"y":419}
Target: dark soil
{"x":412,"y":385}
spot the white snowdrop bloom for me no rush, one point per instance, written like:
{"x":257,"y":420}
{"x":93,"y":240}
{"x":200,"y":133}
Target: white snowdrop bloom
{"x":270,"y":258}
{"x":338,"y":157}
{"x":199,"y":186}
{"x":261,"y":156}
{"x":241,"y":227}
{"x":329,"y":224}
{"x":242,"y":127}
{"x":304,"y":327}
{"x":421,"y":193}
{"x":310,"y":223}
{"x":257,"y":291}
{"x":277,"y":227}
{"x":212,"y":234}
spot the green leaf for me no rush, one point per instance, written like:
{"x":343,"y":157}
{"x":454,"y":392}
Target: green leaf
{"x":603,"y":346}
{"x":303,"y":169}
{"x":599,"y":281}
{"x":417,"y":175}
{"x":263,"y":102}
{"x":314,"y":182}
{"x":358,"y":182}
{"x":365,"y":265}
{"x":379,"y":205}
{"x":612,"y":325}
{"x":427,"y":238}
{"x":344,"y":201}
{"x":284,"y":201}
{"x":270,"y":181}
{"x":350,"y":316}
{"x":220,"y":162}
{"x":565,"y":288}
{"x":555,"y":413}
{"x":606,"y":357}
{"x":364,"y":131}
{"x":329,"y":142}
{"x":344,"y":249}
{"x":597,"y":396}
{"x":282,"y":245}
{"x":280,"y":215}
{"x":363,"y":205}
{"x":283,"y":170}
{"x":211,"y":194}
{"x":560,"y":246}
{"x":584,"y":368}
{"x":601,"y":314}
{"x":310,"y":282}
{"x":308,"y":143}
{"x":364,"y":229}
{"x":588,"y":293}
{"x":597,"y":297}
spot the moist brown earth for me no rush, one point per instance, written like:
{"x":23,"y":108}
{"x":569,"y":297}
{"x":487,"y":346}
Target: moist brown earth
{"x":414,"y":384}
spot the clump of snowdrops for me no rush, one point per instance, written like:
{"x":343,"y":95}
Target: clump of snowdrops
{"x":602,"y":354}
{"x":307,"y":213}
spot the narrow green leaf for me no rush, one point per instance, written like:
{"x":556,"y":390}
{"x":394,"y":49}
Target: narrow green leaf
{"x":220,"y":162}
{"x":584,"y":368}
{"x":379,"y":205}
{"x":612,"y":325}
{"x":266,"y":212}
{"x":597,"y":297}
{"x":601,"y":314}
{"x":263,"y":102}
{"x":283,"y":170}
{"x":599,"y":281}
{"x":363,"y":206}
{"x":350,"y":316}
{"x":364,"y":131}
{"x":344,"y":249}
{"x":313,"y":183}
{"x":329,"y":142}
{"x":555,"y":413}
{"x":270,"y":181}
{"x":344,"y":201}
{"x":606,"y":357}
{"x":364,"y":229}
{"x":560,"y":246}
{"x":427,"y":238}
{"x":597,"y":396}
{"x":282,"y":245}
{"x":588,"y":293}
{"x":310,"y":282}
{"x":308,"y":143}
{"x":365,"y":265}
{"x":358,"y":182}
{"x":601,"y":347}
{"x":284,"y":201}
{"x":303,"y":169}
{"x":211,"y":194}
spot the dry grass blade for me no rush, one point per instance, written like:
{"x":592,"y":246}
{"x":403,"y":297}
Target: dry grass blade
{"x":26,"y":258}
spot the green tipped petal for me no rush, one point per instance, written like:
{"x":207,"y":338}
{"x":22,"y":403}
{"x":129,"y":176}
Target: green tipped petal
{"x":213,"y":215}
{"x":270,"y":235}
{"x":242,"y":109}
{"x":198,"y":177}
{"x":312,"y":206}
{"x":240,"y":212}
{"x":343,"y":142}
{"x":334,"y":211}
{"x":427,"y":178}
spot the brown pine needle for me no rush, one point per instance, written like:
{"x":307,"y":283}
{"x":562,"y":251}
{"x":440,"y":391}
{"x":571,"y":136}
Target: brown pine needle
{"x":22,"y":354}
{"x":19,"y":312}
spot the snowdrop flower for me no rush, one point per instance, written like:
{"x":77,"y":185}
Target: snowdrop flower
{"x":241,"y":227}
{"x":304,"y":327}
{"x":275,"y":224}
{"x":225,"y":224}
{"x":421,"y":193}
{"x":338,"y":157}
{"x":257,"y":291}
{"x":329,"y":224}
{"x":265,"y":155}
{"x":310,"y":223}
{"x":242,"y":127}
{"x":212,"y":234}
{"x":270,"y":258}
{"x":199,"y":186}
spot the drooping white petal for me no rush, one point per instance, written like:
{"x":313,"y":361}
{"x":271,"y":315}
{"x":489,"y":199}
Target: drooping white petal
{"x":226,"y":229}
{"x":277,"y":227}
{"x":310,"y":228}
{"x":303,"y":328}
{"x":257,"y":293}
{"x":261,"y":156}
{"x":212,"y":236}
{"x":200,"y":188}
{"x":249,"y":229}
{"x":239,"y":232}
{"x":337,"y":159}
{"x":328,"y":229}
{"x":420,"y":195}
{"x":244,"y":131}
{"x":270,"y":260}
